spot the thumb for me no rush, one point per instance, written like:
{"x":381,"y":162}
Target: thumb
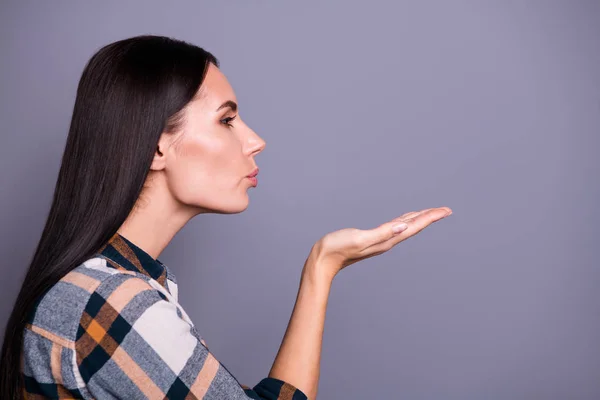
{"x":385,"y":231}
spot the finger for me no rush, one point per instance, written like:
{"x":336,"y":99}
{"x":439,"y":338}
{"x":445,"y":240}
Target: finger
{"x":406,"y":216}
{"x":415,"y":224}
{"x":385,"y":232}
{"x":419,"y":222}
{"x":409,"y":215}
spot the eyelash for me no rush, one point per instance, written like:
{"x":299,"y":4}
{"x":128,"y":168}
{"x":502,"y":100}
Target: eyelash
{"x":228,"y":120}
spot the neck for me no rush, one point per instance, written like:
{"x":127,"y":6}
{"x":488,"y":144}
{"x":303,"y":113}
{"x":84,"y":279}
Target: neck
{"x":155,"y":220}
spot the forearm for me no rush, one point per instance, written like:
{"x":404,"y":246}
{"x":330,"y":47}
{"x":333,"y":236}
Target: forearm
{"x":298,"y":359}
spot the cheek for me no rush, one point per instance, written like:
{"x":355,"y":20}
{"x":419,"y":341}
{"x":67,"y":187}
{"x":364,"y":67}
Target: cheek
{"x":201,"y":171}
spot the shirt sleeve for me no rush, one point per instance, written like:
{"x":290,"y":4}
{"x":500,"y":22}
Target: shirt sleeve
{"x":133,"y":343}
{"x":272,"y":388}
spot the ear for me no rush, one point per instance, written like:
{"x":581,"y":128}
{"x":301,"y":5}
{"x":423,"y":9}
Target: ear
{"x":159,"y":161}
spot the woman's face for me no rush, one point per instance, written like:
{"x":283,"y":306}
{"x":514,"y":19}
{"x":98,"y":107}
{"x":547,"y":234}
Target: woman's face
{"x":206,"y":164}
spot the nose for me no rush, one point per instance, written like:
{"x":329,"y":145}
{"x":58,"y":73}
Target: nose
{"x":255,"y":143}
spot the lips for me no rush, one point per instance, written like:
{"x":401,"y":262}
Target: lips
{"x":253,"y":174}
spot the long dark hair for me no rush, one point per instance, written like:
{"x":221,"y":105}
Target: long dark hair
{"x":130,"y":92}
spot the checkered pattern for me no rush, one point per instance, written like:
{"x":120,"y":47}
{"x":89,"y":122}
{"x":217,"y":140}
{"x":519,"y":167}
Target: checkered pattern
{"x":113,"y":329}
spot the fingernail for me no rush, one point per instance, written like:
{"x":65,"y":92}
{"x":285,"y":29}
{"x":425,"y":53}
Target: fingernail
{"x":399,"y":227}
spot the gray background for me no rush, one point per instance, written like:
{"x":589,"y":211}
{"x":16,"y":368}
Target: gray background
{"x":369,"y":110}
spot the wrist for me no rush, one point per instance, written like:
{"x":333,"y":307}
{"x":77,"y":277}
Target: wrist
{"x":317,"y":269}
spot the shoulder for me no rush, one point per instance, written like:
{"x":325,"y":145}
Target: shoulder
{"x":86,"y":288}
{"x":82,"y":320}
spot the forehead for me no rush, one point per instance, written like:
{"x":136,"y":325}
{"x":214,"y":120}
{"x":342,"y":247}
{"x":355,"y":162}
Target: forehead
{"x":215,"y":88}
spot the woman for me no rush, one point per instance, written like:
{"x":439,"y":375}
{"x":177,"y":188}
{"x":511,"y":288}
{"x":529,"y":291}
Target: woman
{"x":155,"y":139}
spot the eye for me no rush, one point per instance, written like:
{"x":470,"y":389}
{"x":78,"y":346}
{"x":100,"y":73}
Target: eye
{"x":227,"y":121}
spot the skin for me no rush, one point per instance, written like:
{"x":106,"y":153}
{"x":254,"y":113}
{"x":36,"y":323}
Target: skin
{"x":202,"y":168}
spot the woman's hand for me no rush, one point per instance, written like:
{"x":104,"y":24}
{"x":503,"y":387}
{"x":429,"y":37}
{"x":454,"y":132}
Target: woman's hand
{"x":338,"y":249}
{"x":298,"y":358}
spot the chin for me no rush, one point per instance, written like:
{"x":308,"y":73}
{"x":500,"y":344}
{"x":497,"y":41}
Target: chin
{"x":236,"y":210}
{"x":234,"y":207}
{"x":234,"y":204}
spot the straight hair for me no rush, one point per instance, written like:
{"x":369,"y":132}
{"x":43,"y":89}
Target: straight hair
{"x":130,"y":92}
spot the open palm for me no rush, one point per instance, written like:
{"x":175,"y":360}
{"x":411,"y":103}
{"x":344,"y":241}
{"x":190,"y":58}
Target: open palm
{"x":348,"y":246}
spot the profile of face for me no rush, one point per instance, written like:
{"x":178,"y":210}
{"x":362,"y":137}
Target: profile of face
{"x":204,"y":166}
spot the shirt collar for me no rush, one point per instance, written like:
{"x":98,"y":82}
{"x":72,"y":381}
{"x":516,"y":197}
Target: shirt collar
{"x":123,"y":254}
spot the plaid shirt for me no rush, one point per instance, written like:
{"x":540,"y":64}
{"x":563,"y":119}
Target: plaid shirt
{"x":112,"y":328}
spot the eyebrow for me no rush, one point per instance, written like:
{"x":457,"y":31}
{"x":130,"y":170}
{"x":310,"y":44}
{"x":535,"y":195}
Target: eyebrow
{"x":229,"y":103}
